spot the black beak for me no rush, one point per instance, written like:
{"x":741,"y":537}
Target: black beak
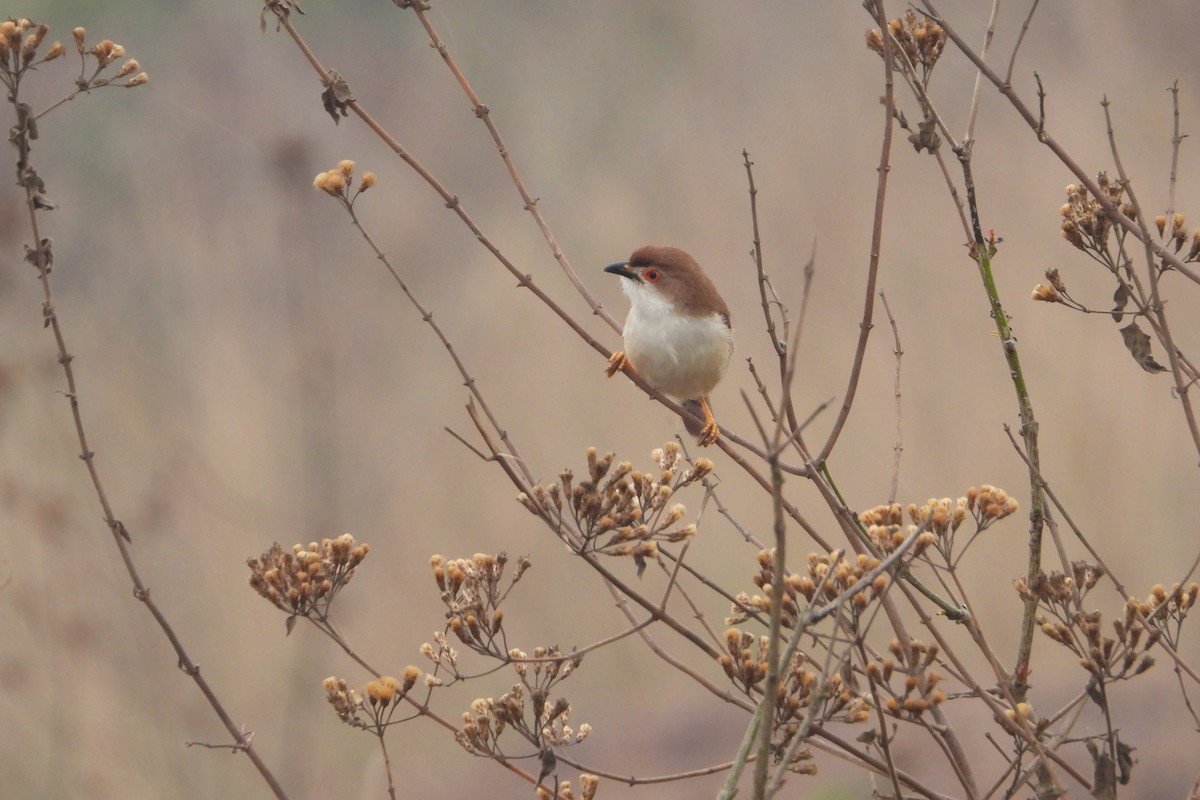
{"x":622,"y":268}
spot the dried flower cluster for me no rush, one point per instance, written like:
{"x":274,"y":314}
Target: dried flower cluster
{"x":337,"y":182}
{"x":887,"y":530}
{"x":1123,"y":654}
{"x":919,"y":39}
{"x":745,"y":662}
{"x":21,"y":38}
{"x":488,"y":718}
{"x":473,"y":589}
{"x":919,"y":692}
{"x":940,"y":518}
{"x":1179,"y":235}
{"x":588,"y":785}
{"x":1053,"y":292}
{"x":305,"y":581}
{"x":441,"y":654}
{"x":827,"y":577}
{"x":619,"y":511}
{"x":1086,"y":224}
{"x":545,"y":668}
{"x":372,"y":707}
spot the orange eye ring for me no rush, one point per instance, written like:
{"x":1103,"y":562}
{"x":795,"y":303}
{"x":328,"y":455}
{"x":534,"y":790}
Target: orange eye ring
{"x":651,"y":275}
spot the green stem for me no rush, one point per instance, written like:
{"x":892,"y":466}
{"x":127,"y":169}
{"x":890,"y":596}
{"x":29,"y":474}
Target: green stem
{"x":982,"y":253}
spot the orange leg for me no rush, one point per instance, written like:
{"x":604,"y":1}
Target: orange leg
{"x":710,"y":431}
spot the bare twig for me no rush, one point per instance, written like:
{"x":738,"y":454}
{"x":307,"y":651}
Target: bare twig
{"x":882,"y":171}
{"x":898,"y":447}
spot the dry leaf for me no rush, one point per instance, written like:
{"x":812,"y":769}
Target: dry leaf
{"x":1138,"y":344}
{"x":1121,"y":299}
{"x":336,"y":97}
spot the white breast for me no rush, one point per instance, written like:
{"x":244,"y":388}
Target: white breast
{"x":681,"y":356}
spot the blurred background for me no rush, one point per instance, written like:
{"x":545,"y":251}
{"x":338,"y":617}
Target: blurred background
{"x":249,"y":373}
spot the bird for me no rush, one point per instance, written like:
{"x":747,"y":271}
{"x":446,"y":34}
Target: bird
{"x":678,"y":335}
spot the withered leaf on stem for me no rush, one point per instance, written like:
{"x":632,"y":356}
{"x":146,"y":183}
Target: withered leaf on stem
{"x":336,"y":97}
{"x":281,"y":9}
{"x":44,"y":254}
{"x":1104,"y":777}
{"x":1125,"y":762}
{"x":1138,"y":344}
{"x":926,"y":137}
{"x":1121,"y":299}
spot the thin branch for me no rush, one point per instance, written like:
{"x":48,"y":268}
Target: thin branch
{"x":882,"y":171}
{"x":1012,"y":61}
{"x":531,"y":203}
{"x":1156,"y":306}
{"x":898,"y":447}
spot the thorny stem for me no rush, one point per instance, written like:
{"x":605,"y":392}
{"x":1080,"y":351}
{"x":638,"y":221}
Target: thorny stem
{"x":898,"y":447}
{"x":121,"y":537}
{"x":982,"y":253}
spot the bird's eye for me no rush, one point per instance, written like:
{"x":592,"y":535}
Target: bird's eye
{"x":650,"y":275}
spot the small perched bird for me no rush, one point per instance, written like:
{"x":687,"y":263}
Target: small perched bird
{"x":677,"y":335}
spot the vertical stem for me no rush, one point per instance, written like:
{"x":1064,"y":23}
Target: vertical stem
{"x":982,"y":251}
{"x":771,"y":684}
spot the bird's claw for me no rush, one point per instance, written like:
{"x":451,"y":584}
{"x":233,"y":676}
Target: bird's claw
{"x":709,"y":434}
{"x":616,"y":363}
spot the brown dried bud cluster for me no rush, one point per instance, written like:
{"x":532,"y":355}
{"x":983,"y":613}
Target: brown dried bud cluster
{"x":547,"y":725}
{"x":472,"y":589}
{"x":913,"y":664}
{"x":1024,"y":712}
{"x":337,"y":181}
{"x":1179,"y":235}
{"x":21,"y":39}
{"x":799,"y":690}
{"x":938,"y":519}
{"x":886,"y":527}
{"x":617,"y":510}
{"x":1060,"y":590}
{"x":1125,"y":652}
{"x":920,"y":41}
{"x":546,"y":667}
{"x":827,"y":578}
{"x":1085,"y":222}
{"x":441,"y":653}
{"x":989,"y":504}
{"x":1053,"y":292}
{"x":306,"y":580}
{"x":372,"y":707}
{"x":19,"y":43}
{"x":588,"y":784}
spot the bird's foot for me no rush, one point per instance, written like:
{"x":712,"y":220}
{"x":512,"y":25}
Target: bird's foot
{"x":710,"y":432}
{"x":617,"y":363}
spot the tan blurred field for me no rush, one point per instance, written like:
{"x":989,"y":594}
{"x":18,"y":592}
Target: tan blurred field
{"x":249,"y":373}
